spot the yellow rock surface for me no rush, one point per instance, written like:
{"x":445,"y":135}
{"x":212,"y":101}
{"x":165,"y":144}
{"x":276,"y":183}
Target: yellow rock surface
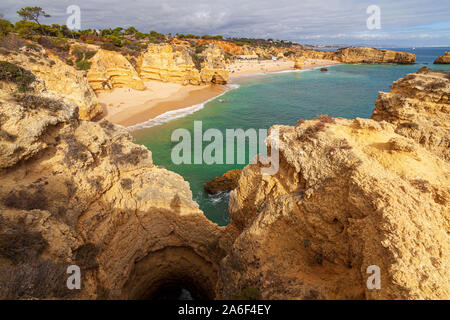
{"x":213,"y":67}
{"x":350,"y":194}
{"x":60,"y":78}
{"x":111,"y":69}
{"x":362,"y":55}
{"x":88,"y":196}
{"x":168,"y":63}
{"x":444,"y":59}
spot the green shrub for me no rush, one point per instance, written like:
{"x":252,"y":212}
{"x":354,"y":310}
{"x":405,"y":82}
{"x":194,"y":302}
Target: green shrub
{"x":109,"y":46}
{"x":89,"y":54}
{"x":34,"y":102}
{"x":139,"y":35}
{"x":26,"y":29}
{"x":83,"y":65}
{"x":15,"y":74}
{"x":5,"y":28}
{"x":197,"y":61}
{"x":115,"y":39}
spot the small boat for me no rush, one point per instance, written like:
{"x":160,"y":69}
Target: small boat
{"x":223,"y":100}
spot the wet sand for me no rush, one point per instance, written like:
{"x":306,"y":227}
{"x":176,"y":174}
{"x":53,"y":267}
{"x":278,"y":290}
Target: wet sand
{"x":245,"y":68}
{"x":129,"y":107}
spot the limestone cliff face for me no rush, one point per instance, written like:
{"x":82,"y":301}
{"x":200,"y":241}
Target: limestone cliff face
{"x":444,"y":59}
{"x":227,"y":182}
{"x":111,"y":69}
{"x":79,"y":192}
{"x":59,"y":78}
{"x":418,"y":106}
{"x":169,"y":63}
{"x":349,"y":194}
{"x":362,"y":55}
{"x":299,"y":63}
{"x":372,"y":55}
{"x":213,"y":68}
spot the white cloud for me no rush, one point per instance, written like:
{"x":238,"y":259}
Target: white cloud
{"x":307,"y":20}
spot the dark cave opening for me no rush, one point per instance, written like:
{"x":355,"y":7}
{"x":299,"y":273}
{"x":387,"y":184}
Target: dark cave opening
{"x":172,"y":273}
{"x":177,"y":290}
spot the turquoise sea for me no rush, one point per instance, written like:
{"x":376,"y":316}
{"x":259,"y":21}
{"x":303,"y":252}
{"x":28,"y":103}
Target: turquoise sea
{"x":281,"y":98}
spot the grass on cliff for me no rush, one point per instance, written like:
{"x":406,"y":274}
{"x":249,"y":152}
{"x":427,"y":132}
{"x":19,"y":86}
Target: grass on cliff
{"x":12,"y":73}
{"x":35,"y":102}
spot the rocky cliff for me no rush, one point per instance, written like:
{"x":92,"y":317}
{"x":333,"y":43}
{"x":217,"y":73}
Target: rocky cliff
{"x":349,"y":195}
{"x":362,"y":55}
{"x":213,"y":67}
{"x":57,"y":77}
{"x":373,"y":55}
{"x":444,"y":59}
{"x":418,"y":106}
{"x":75,"y":192}
{"x":169,"y":63}
{"x":110,"y":69}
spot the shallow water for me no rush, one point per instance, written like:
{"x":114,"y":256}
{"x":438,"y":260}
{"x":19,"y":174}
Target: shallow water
{"x":259,"y":102}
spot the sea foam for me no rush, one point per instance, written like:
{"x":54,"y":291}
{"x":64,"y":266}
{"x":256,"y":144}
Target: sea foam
{"x":178,"y":113}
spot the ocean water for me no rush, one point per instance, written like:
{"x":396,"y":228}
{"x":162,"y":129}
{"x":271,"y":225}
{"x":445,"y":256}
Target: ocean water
{"x":281,"y":98}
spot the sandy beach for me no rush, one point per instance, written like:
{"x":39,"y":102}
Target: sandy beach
{"x":243,"y":68}
{"x":128,"y":107}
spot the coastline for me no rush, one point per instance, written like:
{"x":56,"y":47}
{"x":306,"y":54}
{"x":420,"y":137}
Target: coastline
{"x":163,"y":101}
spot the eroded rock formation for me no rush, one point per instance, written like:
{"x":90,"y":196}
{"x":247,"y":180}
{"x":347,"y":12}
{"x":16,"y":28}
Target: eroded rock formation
{"x":227,"y":182}
{"x":111,"y":69}
{"x":444,"y":59}
{"x":169,"y":63}
{"x":213,"y":68}
{"x":79,"y":192}
{"x":350,"y":194}
{"x":57,"y":77}
{"x":362,"y":55}
{"x":418,"y":105}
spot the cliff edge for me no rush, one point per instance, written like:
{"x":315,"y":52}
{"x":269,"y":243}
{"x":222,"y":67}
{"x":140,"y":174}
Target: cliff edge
{"x":76,"y":192}
{"x":350,"y":195}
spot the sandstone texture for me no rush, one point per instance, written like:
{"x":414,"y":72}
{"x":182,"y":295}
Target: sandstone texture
{"x":227,"y":182}
{"x":213,"y":68}
{"x":75,"y":192}
{"x":110,"y":70}
{"x":372,"y":55}
{"x":444,"y":59}
{"x":299,"y":63}
{"x":168,"y":63}
{"x":57,"y":77}
{"x":418,"y":105}
{"x":362,"y":55}
{"x":349,"y":194}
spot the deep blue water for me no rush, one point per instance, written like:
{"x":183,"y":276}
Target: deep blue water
{"x":344,"y":91}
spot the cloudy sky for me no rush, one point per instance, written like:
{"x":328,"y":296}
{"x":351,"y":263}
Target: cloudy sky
{"x":403,"y":23}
